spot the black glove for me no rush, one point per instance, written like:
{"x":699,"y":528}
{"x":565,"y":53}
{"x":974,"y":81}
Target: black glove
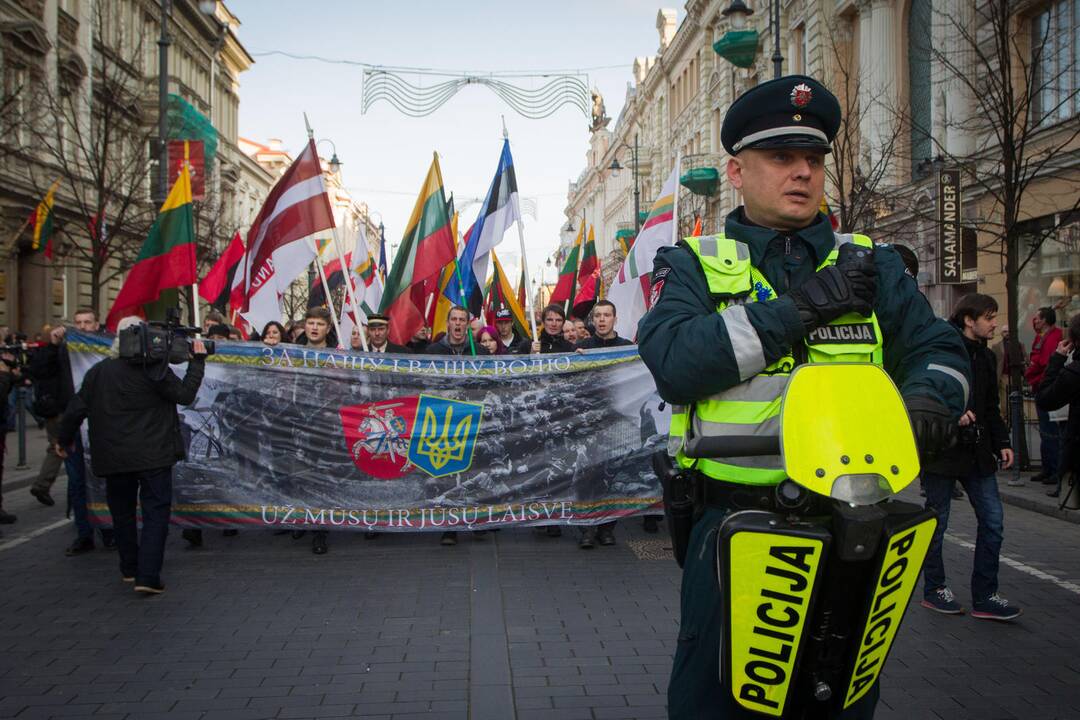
{"x":834,"y":291}
{"x":935,"y":427}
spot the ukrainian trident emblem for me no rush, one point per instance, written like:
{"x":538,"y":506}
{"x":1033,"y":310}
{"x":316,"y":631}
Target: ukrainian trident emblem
{"x":447,"y":437}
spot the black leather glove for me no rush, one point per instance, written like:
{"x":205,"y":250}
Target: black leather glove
{"x":935,"y":427}
{"x":834,"y":291}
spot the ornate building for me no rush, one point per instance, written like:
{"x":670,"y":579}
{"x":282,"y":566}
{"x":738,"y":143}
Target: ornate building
{"x":80,"y":99}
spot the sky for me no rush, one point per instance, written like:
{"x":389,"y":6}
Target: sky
{"x":385,"y":155}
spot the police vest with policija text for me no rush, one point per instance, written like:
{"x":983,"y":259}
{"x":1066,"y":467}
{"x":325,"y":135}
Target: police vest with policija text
{"x":753,"y":406}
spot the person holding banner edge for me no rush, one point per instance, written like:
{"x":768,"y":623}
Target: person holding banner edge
{"x":713,"y":334}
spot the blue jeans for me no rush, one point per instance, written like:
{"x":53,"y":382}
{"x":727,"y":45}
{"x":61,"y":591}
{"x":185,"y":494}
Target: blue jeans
{"x":1049,"y":443}
{"x":75,"y":466}
{"x":141,"y":557}
{"x":982,"y":492}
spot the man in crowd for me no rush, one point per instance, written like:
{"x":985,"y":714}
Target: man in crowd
{"x":378,"y":336}
{"x":212,"y":318}
{"x":983,"y":440}
{"x":317,"y":329}
{"x":504,"y":325}
{"x":46,"y":371}
{"x":603,"y":315}
{"x":135,"y":441}
{"x":1047,"y":337}
{"x":420,"y":340}
{"x":732,"y":315}
{"x":569,"y":331}
{"x":551,"y":337}
{"x":9,"y":375}
{"x":581,"y":329}
{"x":75,"y":463}
{"x":457,"y":339}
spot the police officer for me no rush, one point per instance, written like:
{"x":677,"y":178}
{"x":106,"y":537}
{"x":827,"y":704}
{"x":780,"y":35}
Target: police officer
{"x":734,"y":313}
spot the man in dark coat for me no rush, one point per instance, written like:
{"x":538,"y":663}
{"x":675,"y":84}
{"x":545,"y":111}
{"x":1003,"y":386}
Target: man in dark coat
{"x":551,"y":337}
{"x":1060,"y":387}
{"x":983,"y":440}
{"x":134,"y":442}
{"x":456,"y":341}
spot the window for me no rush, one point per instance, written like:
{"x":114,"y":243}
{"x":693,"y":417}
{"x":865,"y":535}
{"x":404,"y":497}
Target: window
{"x":1055,"y":56}
{"x":798,"y":49}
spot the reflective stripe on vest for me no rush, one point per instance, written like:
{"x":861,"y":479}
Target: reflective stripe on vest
{"x":753,"y":406}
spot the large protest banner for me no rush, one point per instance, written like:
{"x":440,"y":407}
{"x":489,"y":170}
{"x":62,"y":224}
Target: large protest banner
{"x":291,"y":437}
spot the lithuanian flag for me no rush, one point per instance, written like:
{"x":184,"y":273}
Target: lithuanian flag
{"x":564,"y":288}
{"x":425,"y":250}
{"x":441,"y":305}
{"x":167,"y":258}
{"x":589,"y":261}
{"x":43,"y":222}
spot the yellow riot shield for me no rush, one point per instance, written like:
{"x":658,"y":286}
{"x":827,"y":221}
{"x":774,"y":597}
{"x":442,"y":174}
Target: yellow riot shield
{"x":845,"y":433}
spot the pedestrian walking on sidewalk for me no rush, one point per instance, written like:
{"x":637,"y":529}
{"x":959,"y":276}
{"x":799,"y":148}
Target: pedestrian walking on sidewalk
{"x":8,"y":376}
{"x":973,"y":461}
{"x":1047,"y":338}
{"x":1061,"y":387}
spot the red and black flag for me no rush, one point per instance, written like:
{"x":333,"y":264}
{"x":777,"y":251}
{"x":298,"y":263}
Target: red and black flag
{"x":215,"y":288}
{"x":335,"y":278}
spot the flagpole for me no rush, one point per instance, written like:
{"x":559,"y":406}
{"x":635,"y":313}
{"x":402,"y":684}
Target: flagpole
{"x":525,"y":262}
{"x":349,"y":288}
{"x":195,"y":282}
{"x":14,"y":238}
{"x":461,"y":288}
{"x":326,"y":292}
{"x":675,"y":204}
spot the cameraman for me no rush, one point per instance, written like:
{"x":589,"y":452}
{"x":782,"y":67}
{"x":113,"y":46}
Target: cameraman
{"x":983,"y":443}
{"x":134,"y":442}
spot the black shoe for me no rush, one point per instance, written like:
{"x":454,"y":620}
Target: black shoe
{"x":448,"y":539}
{"x":149,"y":588}
{"x":605,"y":536}
{"x":1050,"y":480}
{"x":553,"y":531}
{"x":193,"y":537}
{"x":108,"y":539}
{"x":1056,"y":492}
{"x":652,"y":524}
{"x":369,"y":535}
{"x":79,"y":546}
{"x":297,"y":534}
{"x":1038,"y":478}
{"x":42,"y":496}
{"x":318,"y":543}
{"x":588,"y":539}
{"x":230,"y":533}
{"x":282,"y":532}
{"x":6,"y":518}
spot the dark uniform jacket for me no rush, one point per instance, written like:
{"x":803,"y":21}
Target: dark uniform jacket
{"x":133,"y":420}
{"x":977,"y":451}
{"x":443,"y":347}
{"x":594,"y":341}
{"x":548,"y":344}
{"x":45,"y":370}
{"x":1060,"y":386}
{"x":685,"y":344}
{"x":393,"y":348}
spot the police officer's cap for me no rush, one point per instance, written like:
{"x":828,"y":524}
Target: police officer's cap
{"x":795,"y":111}
{"x":376,"y":320}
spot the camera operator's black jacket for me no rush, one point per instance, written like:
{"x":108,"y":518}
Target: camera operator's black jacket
{"x":981,"y":457}
{"x":45,"y":369}
{"x":1060,"y":386}
{"x":134,"y":425}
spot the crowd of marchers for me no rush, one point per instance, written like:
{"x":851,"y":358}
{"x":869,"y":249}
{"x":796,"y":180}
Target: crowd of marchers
{"x":43,"y":369}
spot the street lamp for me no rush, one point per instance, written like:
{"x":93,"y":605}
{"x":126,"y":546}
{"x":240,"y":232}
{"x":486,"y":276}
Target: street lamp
{"x":164,"y":40}
{"x":615,"y":167}
{"x":739,"y":46}
{"x":334,"y":164}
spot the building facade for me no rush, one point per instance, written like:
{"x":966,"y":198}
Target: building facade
{"x":907,"y":74}
{"x":80,"y":99}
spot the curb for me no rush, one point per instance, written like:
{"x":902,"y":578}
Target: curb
{"x":1069,"y":516}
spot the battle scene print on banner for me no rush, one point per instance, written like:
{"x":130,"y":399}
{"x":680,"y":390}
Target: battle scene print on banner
{"x":295,"y":437}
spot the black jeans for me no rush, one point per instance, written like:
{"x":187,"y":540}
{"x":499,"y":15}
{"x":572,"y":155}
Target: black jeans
{"x":141,"y":557}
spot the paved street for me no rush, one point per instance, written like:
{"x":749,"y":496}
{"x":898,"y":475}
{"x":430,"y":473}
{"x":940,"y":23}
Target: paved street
{"x":513,"y":625}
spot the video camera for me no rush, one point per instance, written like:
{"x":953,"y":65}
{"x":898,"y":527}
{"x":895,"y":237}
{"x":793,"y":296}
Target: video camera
{"x":19,"y":351}
{"x":153,"y":342}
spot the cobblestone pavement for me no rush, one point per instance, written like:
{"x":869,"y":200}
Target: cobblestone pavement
{"x":507,"y":625}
